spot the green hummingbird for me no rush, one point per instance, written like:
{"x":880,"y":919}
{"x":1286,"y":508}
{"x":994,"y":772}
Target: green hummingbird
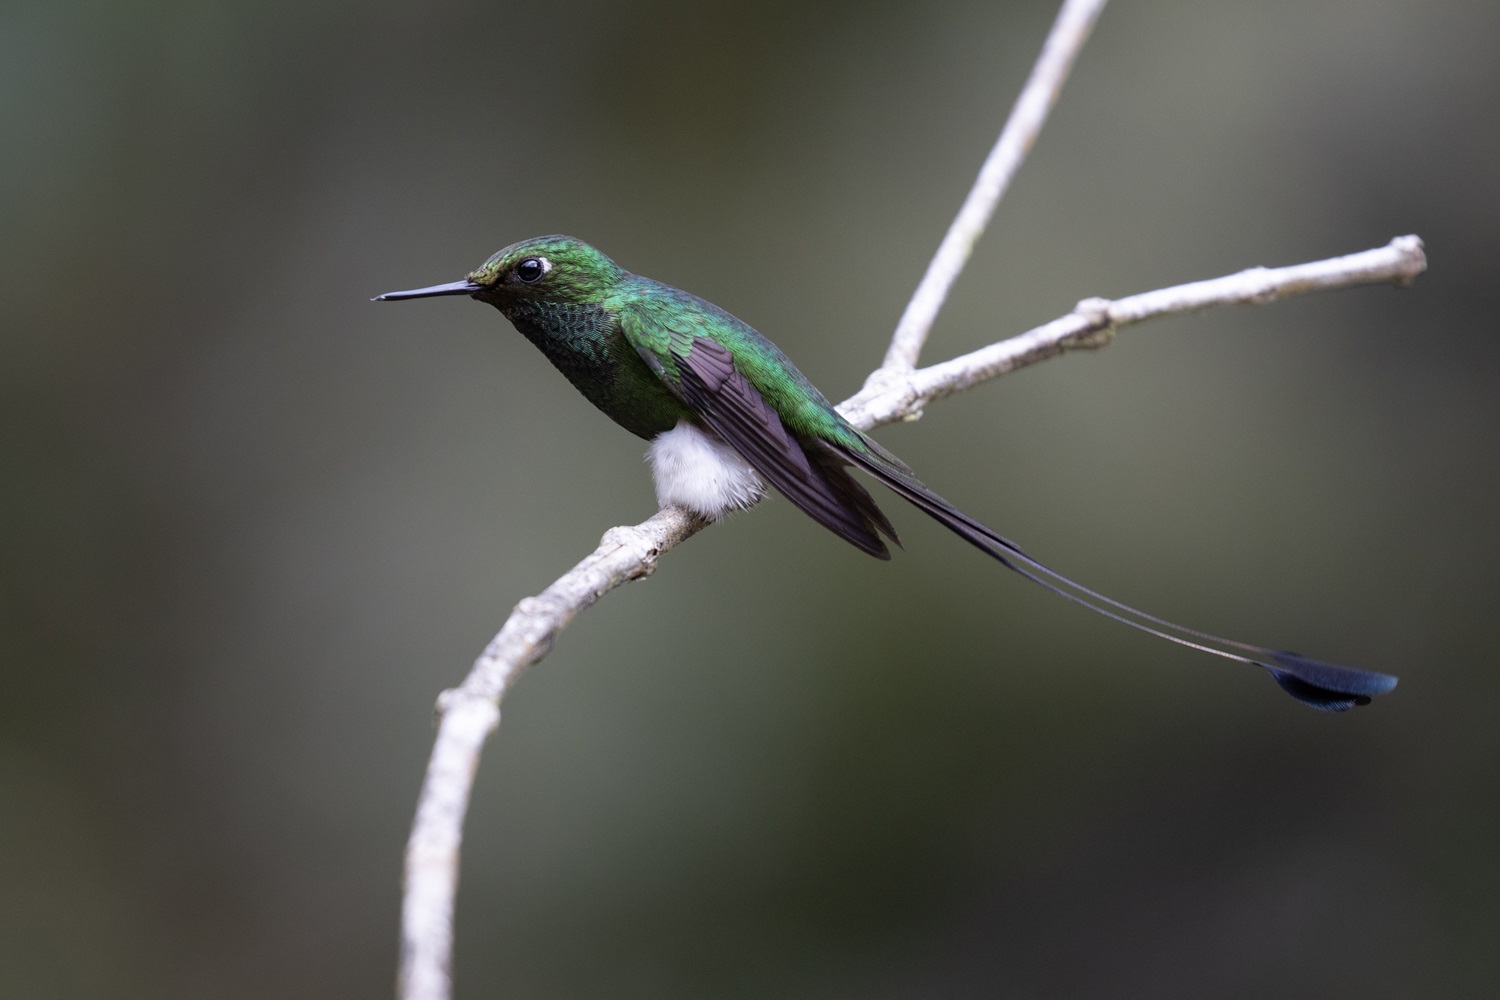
{"x":727,"y":413}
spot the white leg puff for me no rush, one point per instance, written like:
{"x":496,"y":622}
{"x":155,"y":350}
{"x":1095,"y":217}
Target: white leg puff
{"x":701,"y":473}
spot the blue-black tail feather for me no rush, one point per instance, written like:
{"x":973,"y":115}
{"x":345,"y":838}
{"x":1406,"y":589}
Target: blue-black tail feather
{"x":1328,"y":687}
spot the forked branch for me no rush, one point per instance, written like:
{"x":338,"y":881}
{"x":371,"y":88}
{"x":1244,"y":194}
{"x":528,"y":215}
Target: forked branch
{"x":471,"y":711}
{"x":896,"y":391}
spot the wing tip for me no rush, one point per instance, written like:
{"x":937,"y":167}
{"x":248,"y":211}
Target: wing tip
{"x":866,"y":541}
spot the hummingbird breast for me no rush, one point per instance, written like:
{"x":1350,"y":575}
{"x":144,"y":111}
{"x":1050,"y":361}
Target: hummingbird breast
{"x":585,"y":343}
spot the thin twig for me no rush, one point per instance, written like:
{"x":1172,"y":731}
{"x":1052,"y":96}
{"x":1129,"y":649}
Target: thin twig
{"x":469,"y":713}
{"x":1093,"y":323}
{"x":1071,"y":29}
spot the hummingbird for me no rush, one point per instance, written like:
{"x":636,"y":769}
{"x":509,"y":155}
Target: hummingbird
{"x":728,"y":416}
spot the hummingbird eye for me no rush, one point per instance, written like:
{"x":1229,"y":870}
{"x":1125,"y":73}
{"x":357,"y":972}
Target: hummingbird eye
{"x":531,"y":269}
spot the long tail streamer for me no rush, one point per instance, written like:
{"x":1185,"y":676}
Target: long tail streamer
{"x":1329,"y":687}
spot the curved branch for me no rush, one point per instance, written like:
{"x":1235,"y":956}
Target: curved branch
{"x":895,"y":391}
{"x":470,"y":712}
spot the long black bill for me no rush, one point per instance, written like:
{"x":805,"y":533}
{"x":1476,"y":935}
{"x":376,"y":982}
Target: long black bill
{"x":465,"y":287}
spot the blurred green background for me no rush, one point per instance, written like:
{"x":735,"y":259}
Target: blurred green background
{"x":255,"y":523}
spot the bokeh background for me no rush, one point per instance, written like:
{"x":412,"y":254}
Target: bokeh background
{"x":254,"y":523}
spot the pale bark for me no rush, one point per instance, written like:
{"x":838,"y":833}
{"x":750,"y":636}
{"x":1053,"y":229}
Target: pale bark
{"x":895,"y":391}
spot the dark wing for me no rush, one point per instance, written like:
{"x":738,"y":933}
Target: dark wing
{"x":701,"y":372}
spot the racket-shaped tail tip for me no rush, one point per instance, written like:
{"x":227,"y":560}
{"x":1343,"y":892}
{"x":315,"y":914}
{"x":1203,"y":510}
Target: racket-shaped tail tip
{"x":1327,"y":687}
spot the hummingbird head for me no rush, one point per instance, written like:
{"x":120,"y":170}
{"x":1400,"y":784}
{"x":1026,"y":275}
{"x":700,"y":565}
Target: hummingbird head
{"x":557,"y":269}
{"x":547,"y":269}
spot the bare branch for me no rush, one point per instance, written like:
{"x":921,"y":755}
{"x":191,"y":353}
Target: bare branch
{"x":470,"y":712}
{"x":1071,"y":29}
{"x":1093,"y":322}
{"x":895,"y":391}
